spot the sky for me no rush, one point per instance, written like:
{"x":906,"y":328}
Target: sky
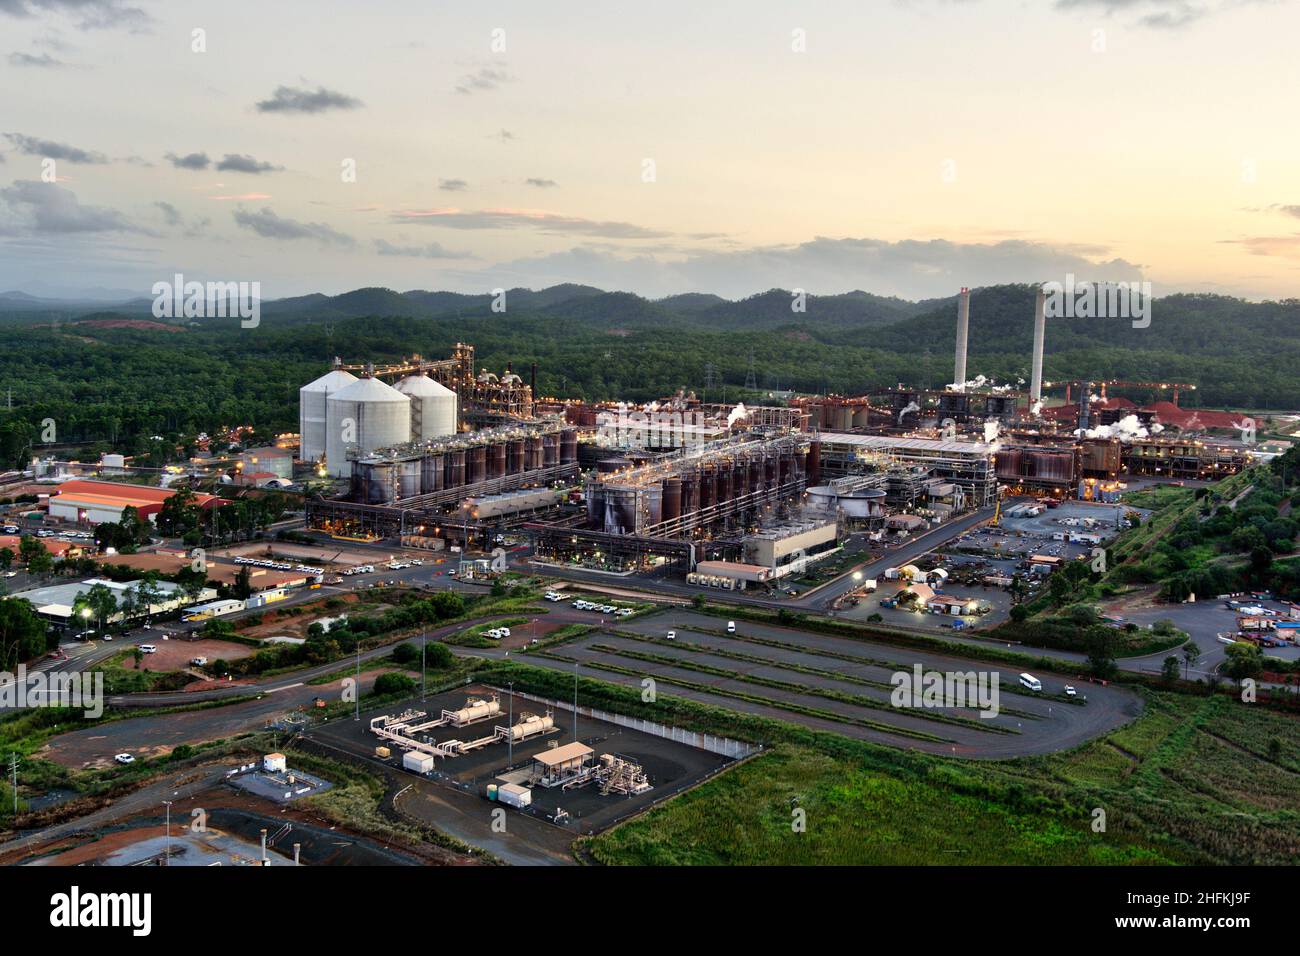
{"x":902,"y":147}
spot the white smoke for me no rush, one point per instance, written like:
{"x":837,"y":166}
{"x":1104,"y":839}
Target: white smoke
{"x":991,"y":429}
{"x":737,"y":413}
{"x":1127,"y":428}
{"x":979,"y":381}
{"x":911,"y":407}
{"x":1036,"y":409}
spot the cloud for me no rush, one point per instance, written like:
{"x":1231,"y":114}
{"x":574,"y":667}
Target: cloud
{"x":546,"y":222}
{"x":86,"y":14}
{"x":245,"y":164}
{"x":270,"y":226}
{"x":910,"y":269}
{"x":241,"y":197}
{"x":189,"y":161}
{"x":1293,"y":211}
{"x":540,"y":183}
{"x":483,"y":80}
{"x":1284,"y":247}
{"x":452,"y":185}
{"x":1157,"y":14}
{"x":288,"y":99}
{"x":48,"y":149}
{"x":432,"y":251}
{"x":170,"y":213}
{"x":46,"y":208}
{"x":44,"y":61}
{"x":504,"y":135}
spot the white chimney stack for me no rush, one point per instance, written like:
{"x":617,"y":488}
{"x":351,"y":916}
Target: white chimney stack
{"x":1040,"y":331}
{"x":963,"y":331}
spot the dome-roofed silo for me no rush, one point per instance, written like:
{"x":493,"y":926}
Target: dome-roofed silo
{"x":311,"y":410}
{"x":433,"y":407}
{"x":364,"y":416}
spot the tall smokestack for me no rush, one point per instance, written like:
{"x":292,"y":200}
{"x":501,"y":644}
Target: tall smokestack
{"x":963,"y":330}
{"x":1040,"y":331}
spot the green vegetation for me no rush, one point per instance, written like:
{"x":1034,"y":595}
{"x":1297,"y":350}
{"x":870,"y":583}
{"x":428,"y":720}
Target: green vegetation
{"x":175,"y":381}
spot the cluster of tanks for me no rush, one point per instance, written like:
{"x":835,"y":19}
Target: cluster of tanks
{"x":343,"y":417}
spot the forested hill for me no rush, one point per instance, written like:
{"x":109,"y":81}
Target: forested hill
{"x":117,"y":376}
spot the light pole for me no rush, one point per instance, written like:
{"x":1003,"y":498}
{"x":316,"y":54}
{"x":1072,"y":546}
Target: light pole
{"x":511,"y":739}
{"x":575,"y":703}
{"x":357,"y":690}
{"x":423,"y":638}
{"x":167,"y":856}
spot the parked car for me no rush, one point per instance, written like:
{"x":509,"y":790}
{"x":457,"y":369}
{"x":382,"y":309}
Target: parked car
{"x":672,"y":635}
{"x":148,"y":649}
{"x":1070,"y":691}
{"x":731,"y":627}
{"x":124,"y":758}
{"x":198,"y":661}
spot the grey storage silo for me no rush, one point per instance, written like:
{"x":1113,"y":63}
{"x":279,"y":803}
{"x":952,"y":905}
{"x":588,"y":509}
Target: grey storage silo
{"x":364,"y":416}
{"x":312,"y":414}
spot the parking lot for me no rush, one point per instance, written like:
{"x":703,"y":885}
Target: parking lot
{"x":837,"y":684}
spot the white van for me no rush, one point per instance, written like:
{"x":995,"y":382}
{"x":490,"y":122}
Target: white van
{"x":148,"y":649}
{"x":1031,"y":682}
{"x":731,"y":627}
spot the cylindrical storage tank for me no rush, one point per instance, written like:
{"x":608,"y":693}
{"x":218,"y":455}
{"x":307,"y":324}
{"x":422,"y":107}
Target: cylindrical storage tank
{"x":455,"y":469}
{"x":477,"y":709}
{"x":534,"y":456}
{"x":497,"y":456}
{"x":550,"y":451}
{"x":531,"y":726}
{"x":408,"y":477}
{"x":866,"y":503}
{"x":690,"y":493}
{"x":476,"y":464}
{"x":372,"y":481}
{"x":595,"y":505}
{"x":724,"y":482}
{"x":431,"y":473}
{"x":861,"y":416}
{"x":620,"y":509}
{"x":515,"y":456}
{"x":822,"y":498}
{"x":708,"y":487}
{"x":813,"y":464}
{"x":364,"y":416}
{"x":312,"y":399}
{"x":652,"y":504}
{"x":568,"y":446}
{"x":433,"y":407}
{"x":843,"y":418}
{"x":672,"y":498}
{"x":609,"y":465}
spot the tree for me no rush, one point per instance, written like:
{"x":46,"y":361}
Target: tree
{"x":34,"y":554}
{"x":1101,"y":652}
{"x":1191,"y":654}
{"x":438,"y":656}
{"x":6,"y":558}
{"x":22,"y":633}
{"x":1169,"y":671}
{"x":1243,"y":661}
{"x":393,"y":683}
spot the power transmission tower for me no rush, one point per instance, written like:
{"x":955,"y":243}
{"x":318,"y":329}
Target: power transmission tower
{"x":751,"y":377}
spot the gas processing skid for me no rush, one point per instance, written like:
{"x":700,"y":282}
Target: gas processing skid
{"x":410,"y":729}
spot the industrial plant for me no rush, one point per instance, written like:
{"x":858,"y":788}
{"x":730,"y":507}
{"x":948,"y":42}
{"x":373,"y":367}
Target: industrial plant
{"x":436,"y":453}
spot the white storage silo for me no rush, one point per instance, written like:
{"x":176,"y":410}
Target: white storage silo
{"x":365,"y":415}
{"x":311,"y":410}
{"x":433,"y":407}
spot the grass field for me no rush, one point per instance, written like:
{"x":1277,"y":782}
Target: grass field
{"x":1195,"y":780}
